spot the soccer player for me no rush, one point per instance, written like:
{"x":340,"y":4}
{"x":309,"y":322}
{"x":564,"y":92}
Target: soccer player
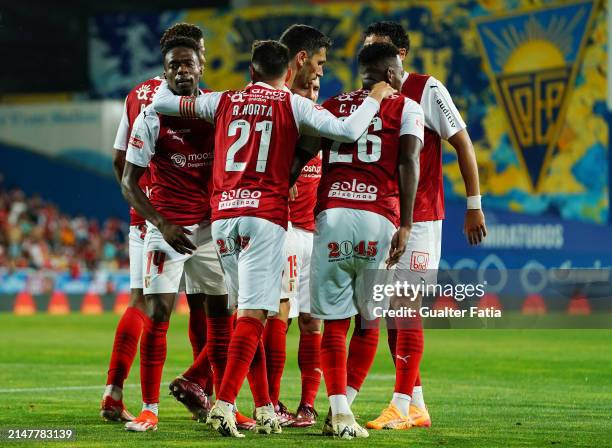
{"x":301,"y":216}
{"x":442,"y":121}
{"x":256,"y":132}
{"x":308,"y":54}
{"x":131,"y":323}
{"x":179,"y":155}
{"x":357,"y":217}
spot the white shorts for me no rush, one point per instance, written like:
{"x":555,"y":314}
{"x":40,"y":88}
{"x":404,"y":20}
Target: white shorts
{"x":289,"y":285}
{"x":251,"y":251}
{"x":164,"y":267}
{"x":135,"y":252}
{"x":301,"y":303}
{"x":349,"y":251}
{"x":422,"y":257}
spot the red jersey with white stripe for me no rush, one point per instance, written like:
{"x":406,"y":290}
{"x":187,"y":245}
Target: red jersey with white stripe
{"x":179,"y":153}
{"x":364,"y":175}
{"x":135,"y":102}
{"x":442,"y":121}
{"x":255,"y":139}
{"x":301,"y":210}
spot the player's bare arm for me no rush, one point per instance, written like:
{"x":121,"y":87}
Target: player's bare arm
{"x":409,"y":156}
{"x":118,"y":164}
{"x":474,"y":226}
{"x":173,"y":234}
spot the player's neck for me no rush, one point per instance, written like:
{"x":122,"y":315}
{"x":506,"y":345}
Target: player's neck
{"x":278,"y":84}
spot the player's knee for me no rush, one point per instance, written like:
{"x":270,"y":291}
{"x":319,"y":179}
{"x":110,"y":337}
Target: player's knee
{"x":217,"y":306}
{"x":308,"y":324}
{"x":159,"y":308}
{"x":196,"y":301}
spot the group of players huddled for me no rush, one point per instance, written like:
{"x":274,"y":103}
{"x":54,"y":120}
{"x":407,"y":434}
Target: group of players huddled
{"x":265,"y":207}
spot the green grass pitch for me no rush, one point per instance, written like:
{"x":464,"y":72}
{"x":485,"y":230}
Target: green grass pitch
{"x":485,"y":388}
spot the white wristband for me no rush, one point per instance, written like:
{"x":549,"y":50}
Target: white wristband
{"x":473,"y":202}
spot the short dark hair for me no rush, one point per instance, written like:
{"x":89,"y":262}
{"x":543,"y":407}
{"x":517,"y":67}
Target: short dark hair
{"x":179,"y":41}
{"x":303,"y":37}
{"x":182,"y":30}
{"x":377,"y":53}
{"x":269,"y":58}
{"x":393,"y":30}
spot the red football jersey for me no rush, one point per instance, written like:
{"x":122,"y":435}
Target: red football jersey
{"x":255,"y":138}
{"x":364,"y":175}
{"x":136,"y":101}
{"x":429,"y":201}
{"x":301,"y":211}
{"x":179,"y":153}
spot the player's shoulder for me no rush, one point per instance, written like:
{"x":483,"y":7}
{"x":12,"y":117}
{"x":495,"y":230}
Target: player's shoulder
{"x":145,"y":89}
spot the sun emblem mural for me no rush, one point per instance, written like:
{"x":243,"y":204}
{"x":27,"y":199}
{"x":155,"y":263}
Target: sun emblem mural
{"x":532,"y":60}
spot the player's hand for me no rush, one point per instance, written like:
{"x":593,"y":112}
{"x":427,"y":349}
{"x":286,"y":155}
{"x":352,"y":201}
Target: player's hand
{"x":293,"y":193}
{"x":176,"y":236}
{"x":398,"y":245}
{"x":382,"y":90}
{"x":474,"y":226}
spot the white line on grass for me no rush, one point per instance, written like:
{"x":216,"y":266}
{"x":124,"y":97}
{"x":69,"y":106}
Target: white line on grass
{"x":58,"y":389}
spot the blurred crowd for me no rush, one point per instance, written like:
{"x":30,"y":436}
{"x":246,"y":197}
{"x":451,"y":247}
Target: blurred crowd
{"x":35,"y":234}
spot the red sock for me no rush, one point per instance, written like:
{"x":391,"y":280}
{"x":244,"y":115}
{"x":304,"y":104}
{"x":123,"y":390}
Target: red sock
{"x":408,"y":357}
{"x":219,"y":335}
{"x":152,"y":358}
{"x":258,"y":377}
{"x":417,"y":382}
{"x":242,"y":348}
{"x":309,"y":360}
{"x":197,"y":330}
{"x":201,"y":372}
{"x":127,"y":336}
{"x":333,"y":355}
{"x":362,"y":351}
{"x":392,"y":341}
{"x":275,"y":343}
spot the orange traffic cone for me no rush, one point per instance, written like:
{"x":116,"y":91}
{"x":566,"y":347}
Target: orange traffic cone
{"x":58,"y":304}
{"x":534,"y":305}
{"x":489,"y":300}
{"x":121,"y":302}
{"x":182,"y":307}
{"x":24,"y":304}
{"x":579,"y":305}
{"x":91,"y":304}
{"x":446,"y":301}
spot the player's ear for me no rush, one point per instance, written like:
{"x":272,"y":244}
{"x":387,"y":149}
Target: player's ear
{"x":301,"y":58}
{"x":402,"y":54}
{"x":390,"y":76}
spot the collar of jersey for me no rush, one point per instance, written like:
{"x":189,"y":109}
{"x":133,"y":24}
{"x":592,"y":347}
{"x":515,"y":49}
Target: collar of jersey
{"x":268,"y":86}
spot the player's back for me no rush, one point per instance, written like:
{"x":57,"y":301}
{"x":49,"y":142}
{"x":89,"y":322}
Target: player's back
{"x":255,"y":138}
{"x":363,"y":175}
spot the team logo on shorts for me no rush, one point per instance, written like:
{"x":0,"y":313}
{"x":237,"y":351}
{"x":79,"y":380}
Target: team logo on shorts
{"x":419,"y":261}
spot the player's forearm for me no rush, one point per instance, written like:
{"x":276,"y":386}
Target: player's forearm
{"x":135,"y":196}
{"x":118,"y":164}
{"x":301,"y":159}
{"x":408,"y":176}
{"x":167,"y":103}
{"x":350,"y":129}
{"x":467,"y":162}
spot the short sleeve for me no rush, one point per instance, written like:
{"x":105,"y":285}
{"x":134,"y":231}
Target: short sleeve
{"x":123,"y":132}
{"x":141,"y":146}
{"x":441,"y":114}
{"x":412,"y":119}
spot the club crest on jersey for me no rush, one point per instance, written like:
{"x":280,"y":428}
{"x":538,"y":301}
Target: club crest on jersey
{"x":354,"y":190}
{"x":419,"y":261}
{"x":532,"y":60}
